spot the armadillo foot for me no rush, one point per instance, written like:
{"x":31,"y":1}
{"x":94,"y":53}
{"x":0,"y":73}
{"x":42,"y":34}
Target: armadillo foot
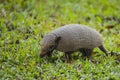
{"x":68,"y":57}
{"x":86,"y":52}
{"x":48,"y":54}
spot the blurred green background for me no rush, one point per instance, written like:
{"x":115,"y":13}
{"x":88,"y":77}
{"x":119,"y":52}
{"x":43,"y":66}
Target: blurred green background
{"x":23,"y":21}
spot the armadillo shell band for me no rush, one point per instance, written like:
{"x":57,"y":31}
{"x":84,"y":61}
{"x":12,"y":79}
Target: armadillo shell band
{"x":54,"y":35}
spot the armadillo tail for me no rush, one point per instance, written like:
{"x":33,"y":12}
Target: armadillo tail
{"x":102,"y":48}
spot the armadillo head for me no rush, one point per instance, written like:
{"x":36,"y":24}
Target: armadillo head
{"x":49,"y":43}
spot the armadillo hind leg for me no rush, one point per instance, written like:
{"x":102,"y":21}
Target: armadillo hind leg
{"x":86,"y":52}
{"x":102,"y":48}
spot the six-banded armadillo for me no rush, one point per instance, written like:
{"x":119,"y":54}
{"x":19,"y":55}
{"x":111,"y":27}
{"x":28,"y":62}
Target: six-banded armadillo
{"x":71,"y":38}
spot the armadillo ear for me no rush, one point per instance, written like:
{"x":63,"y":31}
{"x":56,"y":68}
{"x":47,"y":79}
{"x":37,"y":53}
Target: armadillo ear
{"x":58,"y":39}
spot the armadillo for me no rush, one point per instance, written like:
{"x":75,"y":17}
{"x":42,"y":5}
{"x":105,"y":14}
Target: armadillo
{"x":70,"y":38}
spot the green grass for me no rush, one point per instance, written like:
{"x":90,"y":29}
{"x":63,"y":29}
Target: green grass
{"x":23,"y":21}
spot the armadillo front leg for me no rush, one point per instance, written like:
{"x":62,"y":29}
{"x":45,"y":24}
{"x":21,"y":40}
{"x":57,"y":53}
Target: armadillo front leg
{"x":67,"y":56}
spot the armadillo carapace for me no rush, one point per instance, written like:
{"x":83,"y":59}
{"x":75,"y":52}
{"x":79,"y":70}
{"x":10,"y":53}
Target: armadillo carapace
{"x":71,"y":38}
